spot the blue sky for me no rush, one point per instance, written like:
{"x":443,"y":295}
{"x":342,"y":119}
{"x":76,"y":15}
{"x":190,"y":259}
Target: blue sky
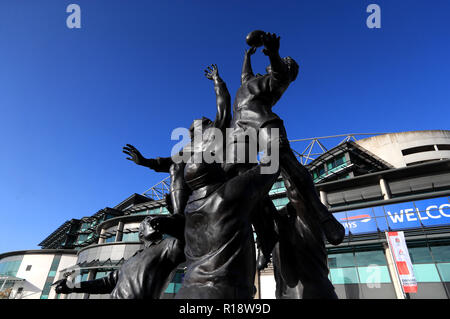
{"x":71,"y":98}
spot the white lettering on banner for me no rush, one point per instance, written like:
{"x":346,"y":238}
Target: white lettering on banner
{"x":408,"y":215}
{"x":399,"y":217}
{"x":442,"y":211}
{"x":420,"y":216}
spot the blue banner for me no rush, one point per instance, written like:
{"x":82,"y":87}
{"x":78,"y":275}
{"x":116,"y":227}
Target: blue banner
{"x":416,"y":214}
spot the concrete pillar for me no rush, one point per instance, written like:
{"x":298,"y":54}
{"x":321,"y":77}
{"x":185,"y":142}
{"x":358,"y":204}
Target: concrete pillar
{"x":119,"y":232}
{"x":101,"y":238}
{"x":393,"y":272}
{"x":385,"y":190}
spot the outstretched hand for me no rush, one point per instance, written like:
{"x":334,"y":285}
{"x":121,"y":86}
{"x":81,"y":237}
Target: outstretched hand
{"x":61,"y":287}
{"x":134,"y":154}
{"x":271,"y":43}
{"x":212,"y":72}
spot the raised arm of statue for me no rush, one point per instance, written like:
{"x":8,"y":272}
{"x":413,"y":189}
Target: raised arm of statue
{"x":223,"y":99}
{"x":247,"y":71}
{"x":271,"y":43}
{"x":159,"y":164}
{"x":98,"y":286}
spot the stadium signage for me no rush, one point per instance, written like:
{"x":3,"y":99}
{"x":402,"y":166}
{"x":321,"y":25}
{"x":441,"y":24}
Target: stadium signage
{"x":423,"y":213}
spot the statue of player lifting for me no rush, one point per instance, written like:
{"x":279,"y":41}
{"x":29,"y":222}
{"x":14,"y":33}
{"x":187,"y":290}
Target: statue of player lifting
{"x":252,"y":110}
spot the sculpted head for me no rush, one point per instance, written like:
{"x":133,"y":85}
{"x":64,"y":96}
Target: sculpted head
{"x":291,"y":65}
{"x":147,"y":233}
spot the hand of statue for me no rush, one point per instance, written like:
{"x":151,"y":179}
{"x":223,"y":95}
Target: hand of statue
{"x":212,"y":72}
{"x":61,"y":287}
{"x":250,"y":51}
{"x":271,"y":43}
{"x":134,"y":154}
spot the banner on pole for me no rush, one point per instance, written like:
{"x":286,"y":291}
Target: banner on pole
{"x":399,"y":250}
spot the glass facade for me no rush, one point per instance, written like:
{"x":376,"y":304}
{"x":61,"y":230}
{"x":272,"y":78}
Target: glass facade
{"x":10,"y":266}
{"x":50,"y":277}
{"x":361,"y":274}
{"x":431,"y":267}
{"x":155,"y":210}
{"x":332,"y":166}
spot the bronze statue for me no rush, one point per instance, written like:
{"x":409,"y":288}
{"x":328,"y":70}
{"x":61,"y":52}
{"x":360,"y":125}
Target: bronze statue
{"x":252,"y":109}
{"x":145,"y":275}
{"x":216,"y":204}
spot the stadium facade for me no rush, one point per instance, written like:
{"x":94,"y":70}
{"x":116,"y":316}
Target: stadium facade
{"x":386,"y":182}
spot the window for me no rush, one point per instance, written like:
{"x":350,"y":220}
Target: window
{"x":418,"y":149}
{"x":441,"y":253}
{"x":101,"y":274}
{"x":443,"y":147}
{"x":82,"y":238}
{"x":344,"y":275}
{"x":335,"y":163}
{"x":341,"y":260}
{"x":130,"y":236}
{"x":50,"y":277}
{"x":111,"y":239}
{"x":28,"y":268}
{"x":373,"y":257}
{"x":444,"y":270}
{"x":420,"y":255}
{"x":426,"y":273}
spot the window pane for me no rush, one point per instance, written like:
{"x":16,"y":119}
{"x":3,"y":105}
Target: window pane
{"x":374,"y":274}
{"x":111,"y":239}
{"x":344,"y":276}
{"x":441,"y":253}
{"x":420,"y":255}
{"x":374,"y":257}
{"x":444,"y":270}
{"x":341,"y":260}
{"x":426,"y":273}
{"x":130,"y":237}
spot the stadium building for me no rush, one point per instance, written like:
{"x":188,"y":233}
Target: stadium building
{"x":384,"y":182}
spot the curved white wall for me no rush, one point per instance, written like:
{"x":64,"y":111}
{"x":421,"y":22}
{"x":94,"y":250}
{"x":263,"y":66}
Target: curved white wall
{"x":389,"y":146}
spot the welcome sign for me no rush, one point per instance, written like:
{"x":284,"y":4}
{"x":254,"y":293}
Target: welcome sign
{"x":415,"y":214}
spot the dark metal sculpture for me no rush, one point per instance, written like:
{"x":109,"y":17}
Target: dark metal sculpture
{"x":215,"y":205}
{"x":253,"y":109}
{"x":145,"y":275}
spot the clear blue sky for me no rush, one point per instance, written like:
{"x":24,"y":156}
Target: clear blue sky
{"x":71,"y":98}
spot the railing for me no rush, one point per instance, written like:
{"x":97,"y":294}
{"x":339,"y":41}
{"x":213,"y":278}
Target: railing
{"x":315,"y":147}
